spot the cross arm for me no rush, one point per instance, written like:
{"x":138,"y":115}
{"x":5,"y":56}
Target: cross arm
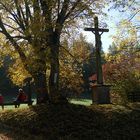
{"x":99,"y":29}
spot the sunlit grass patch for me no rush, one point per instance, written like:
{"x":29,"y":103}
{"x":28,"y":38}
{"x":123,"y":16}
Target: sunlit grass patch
{"x":12,"y":107}
{"x":85,"y":102}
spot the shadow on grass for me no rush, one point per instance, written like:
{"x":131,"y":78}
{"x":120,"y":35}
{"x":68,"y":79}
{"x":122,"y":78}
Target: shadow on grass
{"x":74,"y":122}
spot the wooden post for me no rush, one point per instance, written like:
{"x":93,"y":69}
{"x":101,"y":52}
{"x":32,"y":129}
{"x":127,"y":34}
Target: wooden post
{"x":96,"y":30}
{"x":98,"y":53}
{"x":100,"y":92}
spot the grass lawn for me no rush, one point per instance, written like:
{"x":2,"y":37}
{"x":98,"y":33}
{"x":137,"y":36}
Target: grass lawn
{"x":22,"y":106}
{"x":86,"y":102}
{"x":72,"y":122}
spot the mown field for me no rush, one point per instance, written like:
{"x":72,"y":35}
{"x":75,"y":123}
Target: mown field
{"x":72,"y":122}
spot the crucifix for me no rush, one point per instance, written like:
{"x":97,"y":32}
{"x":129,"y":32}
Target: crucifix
{"x":98,"y":32}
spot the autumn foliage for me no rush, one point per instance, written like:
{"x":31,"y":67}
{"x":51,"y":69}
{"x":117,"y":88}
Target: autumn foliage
{"x":123,"y":69}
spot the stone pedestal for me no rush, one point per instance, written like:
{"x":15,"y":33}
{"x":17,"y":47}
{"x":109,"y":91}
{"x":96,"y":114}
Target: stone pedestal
{"x":101,"y":94}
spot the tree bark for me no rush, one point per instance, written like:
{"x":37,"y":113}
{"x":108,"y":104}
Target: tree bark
{"x":54,"y":73}
{"x":41,"y":88}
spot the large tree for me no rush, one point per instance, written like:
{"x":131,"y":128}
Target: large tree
{"x":33,"y":29}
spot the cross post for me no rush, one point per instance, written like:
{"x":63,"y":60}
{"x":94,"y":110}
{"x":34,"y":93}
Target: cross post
{"x":98,"y":32}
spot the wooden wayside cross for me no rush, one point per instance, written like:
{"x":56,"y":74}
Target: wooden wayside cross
{"x":98,"y":32}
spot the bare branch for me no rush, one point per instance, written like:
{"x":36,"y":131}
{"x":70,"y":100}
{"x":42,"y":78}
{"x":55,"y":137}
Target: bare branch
{"x":23,"y":16}
{"x":36,"y":8}
{"x":28,"y":12}
{"x":73,"y":7}
{"x":12,"y":13}
{"x":134,"y":15}
{"x":46,"y":11}
{"x":58,"y":8}
{"x":71,"y":55}
{"x":62,"y":14}
{"x":19,"y":15}
{"x":12,"y":27}
{"x":14,"y":43}
{"x":20,"y":37}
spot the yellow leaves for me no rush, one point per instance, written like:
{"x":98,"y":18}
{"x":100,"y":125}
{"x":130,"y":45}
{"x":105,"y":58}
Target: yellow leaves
{"x":17,"y":73}
{"x":125,"y":23}
{"x":124,"y":68}
{"x":132,"y":31}
{"x":70,"y":79}
{"x":126,"y":31}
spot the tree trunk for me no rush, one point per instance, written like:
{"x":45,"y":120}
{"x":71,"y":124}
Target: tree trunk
{"x":41,"y":88}
{"x":54,"y":92}
{"x":54,"y":73}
